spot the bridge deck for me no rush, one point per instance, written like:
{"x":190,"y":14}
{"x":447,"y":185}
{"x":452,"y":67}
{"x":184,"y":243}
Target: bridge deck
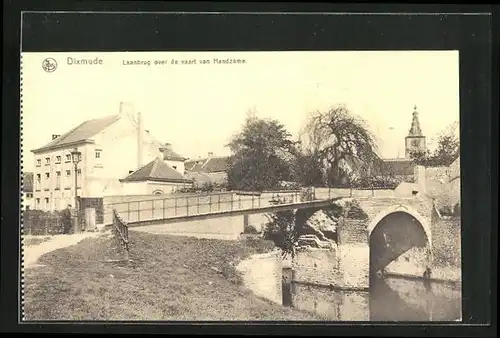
{"x":230,"y":213}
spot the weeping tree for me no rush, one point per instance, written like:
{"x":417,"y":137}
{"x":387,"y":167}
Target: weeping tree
{"x":341,"y":142}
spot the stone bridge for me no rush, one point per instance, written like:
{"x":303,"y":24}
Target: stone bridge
{"x":371,"y":233}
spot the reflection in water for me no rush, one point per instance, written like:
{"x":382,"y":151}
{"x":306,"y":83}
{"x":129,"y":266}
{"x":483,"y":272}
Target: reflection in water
{"x":389,"y":299}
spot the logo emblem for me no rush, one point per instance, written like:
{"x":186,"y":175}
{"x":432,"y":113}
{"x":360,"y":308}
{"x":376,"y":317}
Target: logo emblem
{"x":49,"y":65}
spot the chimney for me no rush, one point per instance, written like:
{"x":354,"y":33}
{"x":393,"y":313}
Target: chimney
{"x":139,"y":140}
{"x":54,"y":136}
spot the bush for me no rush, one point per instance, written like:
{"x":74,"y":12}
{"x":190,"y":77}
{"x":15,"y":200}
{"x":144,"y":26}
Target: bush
{"x":38,"y":222}
{"x":250,"y":229}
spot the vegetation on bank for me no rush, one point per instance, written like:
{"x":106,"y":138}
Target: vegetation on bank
{"x":170,"y":278}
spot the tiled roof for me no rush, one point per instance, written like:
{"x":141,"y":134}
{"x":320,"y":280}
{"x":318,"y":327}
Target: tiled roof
{"x":397,"y":167}
{"x":27,"y":182}
{"x":215,"y":164}
{"x":81,"y":133}
{"x":208,"y":165}
{"x":156,"y":170}
{"x":169,"y":154}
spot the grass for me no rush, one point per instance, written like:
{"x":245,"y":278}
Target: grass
{"x":171,"y":278}
{"x":30,"y":241}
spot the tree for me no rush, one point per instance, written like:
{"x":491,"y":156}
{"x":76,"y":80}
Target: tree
{"x":447,"y":150}
{"x":340,"y":141}
{"x":262,"y":155}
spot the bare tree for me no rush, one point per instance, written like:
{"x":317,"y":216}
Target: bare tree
{"x":341,"y":140}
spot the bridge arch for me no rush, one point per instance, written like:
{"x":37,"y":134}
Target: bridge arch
{"x":401,"y":209}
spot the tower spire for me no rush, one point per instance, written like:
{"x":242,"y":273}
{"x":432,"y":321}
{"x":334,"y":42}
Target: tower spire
{"x":415,"y":124}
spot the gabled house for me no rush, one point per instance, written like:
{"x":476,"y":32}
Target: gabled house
{"x":156,"y":177}
{"x":111,"y":148}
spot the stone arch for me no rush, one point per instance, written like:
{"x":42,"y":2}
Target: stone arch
{"x":404,"y":209}
{"x":158,"y":192}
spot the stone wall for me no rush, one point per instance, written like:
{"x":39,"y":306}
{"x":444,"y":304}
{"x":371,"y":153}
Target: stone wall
{"x":229,"y":228}
{"x":317,"y":266}
{"x":262,"y":273}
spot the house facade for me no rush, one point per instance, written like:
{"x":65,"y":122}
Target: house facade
{"x":27,"y":191}
{"x":111,"y":148}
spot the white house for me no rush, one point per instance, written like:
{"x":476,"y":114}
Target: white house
{"x":27,"y":191}
{"x":111,"y":148}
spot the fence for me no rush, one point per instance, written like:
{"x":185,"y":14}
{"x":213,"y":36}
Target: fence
{"x":37,"y":222}
{"x":120,"y":229}
{"x":144,"y":210}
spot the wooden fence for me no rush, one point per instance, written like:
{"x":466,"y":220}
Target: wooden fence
{"x":120,"y":229}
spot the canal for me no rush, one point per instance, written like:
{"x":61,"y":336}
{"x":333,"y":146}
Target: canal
{"x":388,"y":299}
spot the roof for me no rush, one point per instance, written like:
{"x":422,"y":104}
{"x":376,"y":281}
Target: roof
{"x":169,"y":154}
{"x":156,"y":170}
{"x":27,"y":182}
{"x":398,"y":167}
{"x":208,"y":165}
{"x":81,"y":133}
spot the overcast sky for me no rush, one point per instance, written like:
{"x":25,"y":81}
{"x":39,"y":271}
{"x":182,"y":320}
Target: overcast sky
{"x":197,"y":107}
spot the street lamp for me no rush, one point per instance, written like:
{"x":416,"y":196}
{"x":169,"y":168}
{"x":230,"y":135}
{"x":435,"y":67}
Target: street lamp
{"x":76,"y":157}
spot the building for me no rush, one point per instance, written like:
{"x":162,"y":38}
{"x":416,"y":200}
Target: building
{"x":28,"y":201}
{"x":415,"y":141}
{"x":156,"y":177}
{"x":211,"y":169}
{"x":403,"y":169}
{"x":111,"y":148}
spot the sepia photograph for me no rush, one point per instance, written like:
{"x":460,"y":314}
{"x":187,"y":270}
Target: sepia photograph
{"x":241,"y":186}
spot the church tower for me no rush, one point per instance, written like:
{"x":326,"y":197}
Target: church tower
{"x":415,"y":141}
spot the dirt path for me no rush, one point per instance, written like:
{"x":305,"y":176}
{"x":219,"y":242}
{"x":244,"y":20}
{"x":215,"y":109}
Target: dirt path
{"x":33,"y":252}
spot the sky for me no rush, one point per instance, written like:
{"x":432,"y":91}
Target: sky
{"x":198,"y":107}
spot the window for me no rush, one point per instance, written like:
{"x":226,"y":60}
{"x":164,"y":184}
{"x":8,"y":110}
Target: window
{"x":38,"y":162}
{"x":58,"y":159}
{"x":68,"y":157}
{"x":37,"y":203}
{"x":46,"y":202}
{"x":58,"y":179}
{"x":68,"y":172}
{"x":174,"y":166}
{"x":79,"y":171}
{"x":47,"y":175}
{"x":47,"y":160}
{"x":97,"y":154}
{"x":38,"y":181}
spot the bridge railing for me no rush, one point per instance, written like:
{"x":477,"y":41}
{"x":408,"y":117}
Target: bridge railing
{"x":120,"y":229}
{"x":181,"y":206}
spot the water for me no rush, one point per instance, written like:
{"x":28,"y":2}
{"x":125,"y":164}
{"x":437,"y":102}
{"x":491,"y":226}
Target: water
{"x":389,"y":299}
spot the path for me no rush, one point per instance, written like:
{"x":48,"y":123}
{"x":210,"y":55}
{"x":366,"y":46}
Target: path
{"x":34,"y":252}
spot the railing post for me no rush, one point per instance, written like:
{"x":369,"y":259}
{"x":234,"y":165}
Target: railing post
{"x":232,"y":201}
{"x":218,"y":203}
{"x":252,"y":200}
{"x":153,"y":209}
{"x":128,"y":211}
{"x":138,"y":211}
{"x":209,"y":203}
{"x":175,"y":206}
{"x":198,"y":204}
{"x":239,"y":202}
{"x":187,"y":206}
{"x":163,"y":208}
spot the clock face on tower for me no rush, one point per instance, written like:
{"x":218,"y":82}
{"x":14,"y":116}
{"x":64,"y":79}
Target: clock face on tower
{"x":414,"y":143}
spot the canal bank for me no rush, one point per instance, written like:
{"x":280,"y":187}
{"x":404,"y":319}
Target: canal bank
{"x":394,"y":297}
